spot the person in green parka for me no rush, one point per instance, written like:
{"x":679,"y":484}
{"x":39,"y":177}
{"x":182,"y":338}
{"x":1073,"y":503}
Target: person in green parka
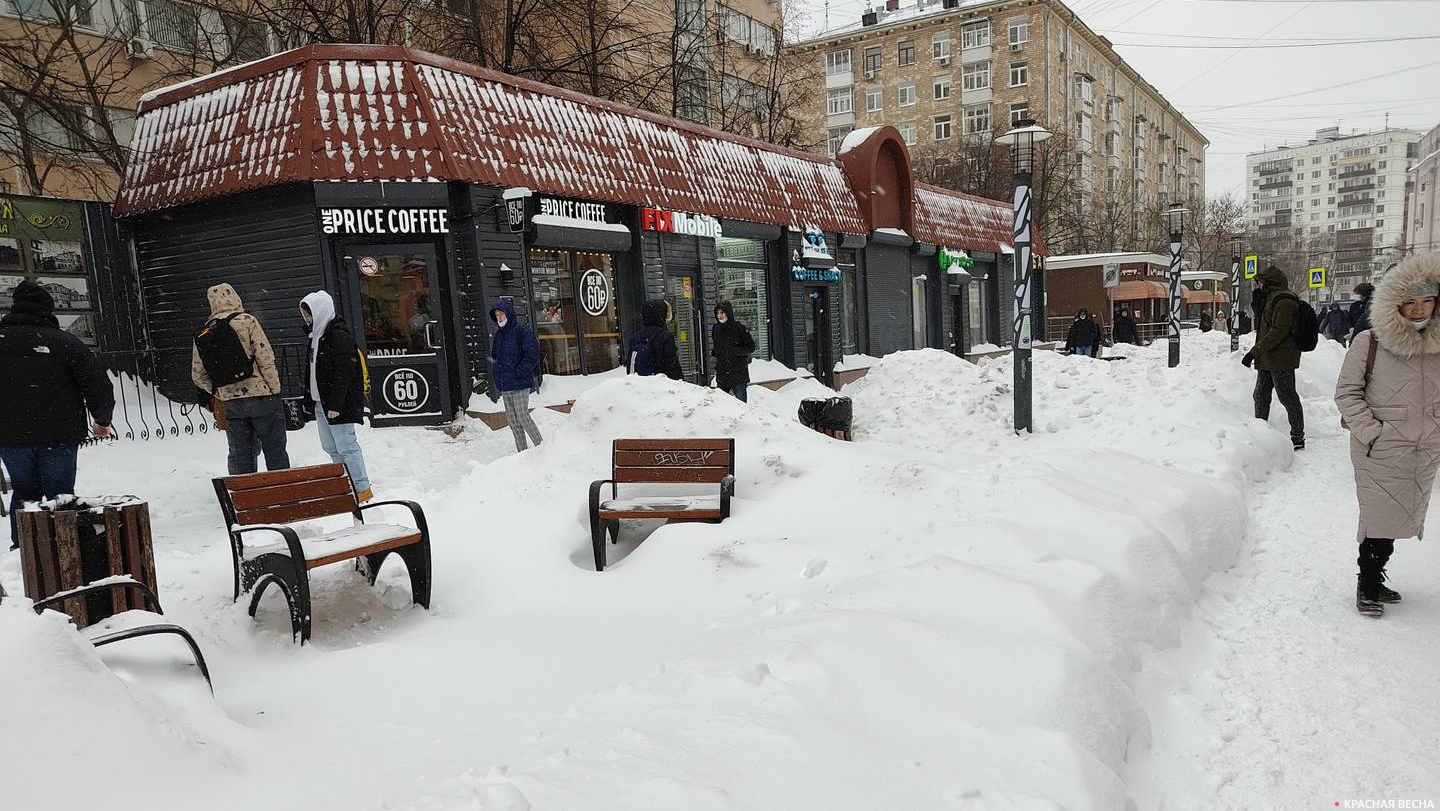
{"x":1276,"y":355}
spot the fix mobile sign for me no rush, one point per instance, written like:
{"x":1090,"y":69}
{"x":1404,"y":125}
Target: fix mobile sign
{"x":385,"y":221}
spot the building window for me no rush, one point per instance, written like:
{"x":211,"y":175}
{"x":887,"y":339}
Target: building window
{"x":977,"y":119}
{"x":907,"y":94}
{"x":976,"y":76}
{"x":905,"y":53}
{"x":743,"y":275}
{"x":942,"y":127}
{"x":975,"y":35}
{"x":1019,"y":74}
{"x":834,"y":137}
{"x":942,"y":88}
{"x":173,"y":24}
{"x":1019,"y":31}
{"x":874,"y":97}
{"x":837,"y":62}
{"x":850,"y":311}
{"x":249,"y":39}
{"x":76,"y":11}
{"x":874,"y":58}
{"x":839,"y":101}
{"x":940,"y":46}
{"x":907,"y":132}
{"x":1018,"y":113}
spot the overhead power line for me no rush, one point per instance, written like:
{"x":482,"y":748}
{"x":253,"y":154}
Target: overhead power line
{"x":1361,"y":80}
{"x":1254,"y":47}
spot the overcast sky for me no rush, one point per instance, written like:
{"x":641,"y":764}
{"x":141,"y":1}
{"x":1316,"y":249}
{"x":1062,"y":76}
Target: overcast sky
{"x":1248,"y":98}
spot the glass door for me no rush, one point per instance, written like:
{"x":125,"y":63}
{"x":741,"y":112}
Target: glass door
{"x":682,"y":291}
{"x":401,"y":332}
{"x":818,"y":353}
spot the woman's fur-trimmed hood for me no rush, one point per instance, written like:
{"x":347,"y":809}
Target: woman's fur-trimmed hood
{"x":1389,"y":326}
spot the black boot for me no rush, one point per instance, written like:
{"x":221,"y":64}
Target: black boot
{"x":1370,"y":584}
{"x":1382,"y":549}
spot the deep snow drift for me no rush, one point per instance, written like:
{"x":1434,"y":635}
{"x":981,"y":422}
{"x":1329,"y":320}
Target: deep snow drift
{"x":938,"y":615}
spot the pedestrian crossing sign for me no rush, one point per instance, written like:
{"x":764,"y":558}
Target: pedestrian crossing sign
{"x":1317,"y":277}
{"x":1252,"y":266}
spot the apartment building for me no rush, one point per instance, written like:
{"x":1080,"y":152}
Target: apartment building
{"x":1338,"y":202}
{"x":947,"y":72}
{"x":1422,"y":221}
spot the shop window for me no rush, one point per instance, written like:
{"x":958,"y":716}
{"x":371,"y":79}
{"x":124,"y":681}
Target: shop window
{"x":46,"y":244}
{"x":395,"y":304}
{"x":576,"y":316}
{"x":850,"y":306}
{"x":743,"y":275}
{"x":976,"y":329}
{"x":918,"y":309}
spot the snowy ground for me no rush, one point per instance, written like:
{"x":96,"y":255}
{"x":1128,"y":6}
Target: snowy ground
{"x":1147,"y":604}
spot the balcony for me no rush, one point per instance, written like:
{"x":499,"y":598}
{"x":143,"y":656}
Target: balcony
{"x":1362,"y":172}
{"x":1366,"y":186}
{"x":1266,"y":171}
{"x":1276,"y":184}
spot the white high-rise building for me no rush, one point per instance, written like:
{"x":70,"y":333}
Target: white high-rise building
{"x":1338,"y":201}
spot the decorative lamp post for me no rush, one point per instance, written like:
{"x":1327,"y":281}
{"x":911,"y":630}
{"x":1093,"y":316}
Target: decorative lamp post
{"x":1175,"y":217}
{"x":1022,"y":140}
{"x":1234,"y":295}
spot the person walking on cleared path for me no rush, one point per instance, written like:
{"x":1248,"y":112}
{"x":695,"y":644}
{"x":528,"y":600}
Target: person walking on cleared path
{"x":1276,"y":354}
{"x":233,"y":361}
{"x":732,"y":345}
{"x":1125,"y":331}
{"x":51,"y":382}
{"x":514,"y":357}
{"x":1084,"y":335}
{"x":336,"y":394}
{"x":1388,"y":392}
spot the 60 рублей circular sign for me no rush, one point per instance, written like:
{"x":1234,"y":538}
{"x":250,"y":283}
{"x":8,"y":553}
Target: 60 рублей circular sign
{"x":594,"y":292}
{"x":405,"y":390}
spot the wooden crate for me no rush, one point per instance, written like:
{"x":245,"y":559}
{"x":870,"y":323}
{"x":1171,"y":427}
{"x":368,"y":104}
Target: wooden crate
{"x":55,"y":558}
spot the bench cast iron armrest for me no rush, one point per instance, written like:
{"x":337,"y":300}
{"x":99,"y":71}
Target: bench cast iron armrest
{"x":159,"y":628}
{"x":297,"y":552}
{"x":595,"y":493}
{"x":727,"y":489}
{"x":415,"y":512}
{"x":150,"y":598}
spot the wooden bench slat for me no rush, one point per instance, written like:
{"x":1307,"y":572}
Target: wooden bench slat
{"x":299,"y":511}
{"x":393,"y":543}
{"x":673,"y":458}
{"x":670,"y":475}
{"x":677,"y":515}
{"x":119,"y":598}
{"x":294,"y":475}
{"x":259,"y":497}
{"x":672,"y":444}
{"x":67,"y":543}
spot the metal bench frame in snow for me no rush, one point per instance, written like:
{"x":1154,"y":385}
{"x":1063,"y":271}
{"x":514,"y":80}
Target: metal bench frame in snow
{"x":661,"y":461}
{"x":268,"y":502}
{"x":103,"y":638}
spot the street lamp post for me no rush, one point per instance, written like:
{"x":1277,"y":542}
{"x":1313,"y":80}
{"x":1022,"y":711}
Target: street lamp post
{"x":1234,"y":295}
{"x":1175,"y":217}
{"x":1022,"y":139}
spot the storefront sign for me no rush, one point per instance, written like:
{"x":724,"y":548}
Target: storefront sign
{"x":385,"y":221}
{"x":952,"y":261}
{"x":673,"y":222}
{"x":815,"y":252}
{"x":800,"y":274}
{"x":594,"y":292}
{"x":369,"y":266}
{"x":515,"y":213}
{"x":572,"y":209}
{"x":405,"y":391}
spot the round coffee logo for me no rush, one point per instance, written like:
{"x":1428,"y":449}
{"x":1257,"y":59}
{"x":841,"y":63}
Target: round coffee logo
{"x":405,"y":390}
{"x":594,"y":292}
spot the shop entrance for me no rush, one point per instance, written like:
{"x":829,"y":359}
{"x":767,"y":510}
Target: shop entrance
{"x":575,"y":313}
{"x":402,"y":333}
{"x":957,"y":326}
{"x":682,"y":291}
{"x":819,"y":357}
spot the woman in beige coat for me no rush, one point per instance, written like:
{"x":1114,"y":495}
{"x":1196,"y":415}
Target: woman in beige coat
{"x":1389,"y":398}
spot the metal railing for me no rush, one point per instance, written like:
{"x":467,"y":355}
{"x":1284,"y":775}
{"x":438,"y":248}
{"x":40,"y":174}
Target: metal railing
{"x":155,"y":398}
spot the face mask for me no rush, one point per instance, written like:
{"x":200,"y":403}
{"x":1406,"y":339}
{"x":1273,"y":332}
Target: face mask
{"x":721,"y":318}
{"x":1418,"y":325}
{"x":501,"y":320}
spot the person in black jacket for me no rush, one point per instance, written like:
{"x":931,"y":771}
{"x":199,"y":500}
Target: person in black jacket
{"x":1360,"y":310}
{"x":1125,"y":332}
{"x":732,"y":345}
{"x":1207,"y":321}
{"x":50,"y":381}
{"x":1084,"y":335}
{"x":653,"y":349}
{"x":336,"y":390}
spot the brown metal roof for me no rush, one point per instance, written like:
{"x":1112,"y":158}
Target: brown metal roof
{"x":365,"y":112}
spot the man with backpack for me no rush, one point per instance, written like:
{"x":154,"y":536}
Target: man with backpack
{"x":1286,"y":326}
{"x":514,"y":361}
{"x":653,"y":349}
{"x":233,"y":361}
{"x":51,"y":382}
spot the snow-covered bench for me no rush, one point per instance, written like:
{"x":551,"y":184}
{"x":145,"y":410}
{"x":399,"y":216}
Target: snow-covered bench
{"x":269,"y":502}
{"x":661,"y":461}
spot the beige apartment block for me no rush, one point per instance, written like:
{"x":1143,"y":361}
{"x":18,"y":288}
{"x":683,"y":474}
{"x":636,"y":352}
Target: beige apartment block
{"x":949,"y":73}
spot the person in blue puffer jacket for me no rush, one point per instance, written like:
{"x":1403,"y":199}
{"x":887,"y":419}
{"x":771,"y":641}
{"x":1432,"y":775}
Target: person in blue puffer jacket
{"x":514,"y":358}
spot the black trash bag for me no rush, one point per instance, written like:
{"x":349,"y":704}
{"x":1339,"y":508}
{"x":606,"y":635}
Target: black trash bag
{"x":830,"y":413}
{"x":296,"y":415}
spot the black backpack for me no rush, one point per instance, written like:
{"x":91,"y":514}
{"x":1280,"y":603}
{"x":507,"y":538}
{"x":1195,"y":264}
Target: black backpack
{"x":1307,"y":325}
{"x":642,"y":356}
{"x":222,"y":353}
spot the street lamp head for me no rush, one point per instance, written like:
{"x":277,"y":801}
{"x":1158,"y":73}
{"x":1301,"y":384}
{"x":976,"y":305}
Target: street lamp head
{"x":1175,"y":217}
{"x":1022,"y":139}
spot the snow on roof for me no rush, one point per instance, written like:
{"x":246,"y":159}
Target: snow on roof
{"x":955,"y":220}
{"x":348,"y":112}
{"x":900,"y":15}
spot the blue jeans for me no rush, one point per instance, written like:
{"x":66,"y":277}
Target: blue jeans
{"x":37,"y":472}
{"x":339,"y":441}
{"x":739,"y":392}
{"x":1085,"y":351}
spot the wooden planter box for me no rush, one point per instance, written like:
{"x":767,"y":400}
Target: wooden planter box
{"x":66,"y":549}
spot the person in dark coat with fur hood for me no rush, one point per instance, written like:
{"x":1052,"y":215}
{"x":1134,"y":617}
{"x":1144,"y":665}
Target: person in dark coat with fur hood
{"x":653,"y":349}
{"x":51,"y":382}
{"x":336,"y":390}
{"x":732,"y":345}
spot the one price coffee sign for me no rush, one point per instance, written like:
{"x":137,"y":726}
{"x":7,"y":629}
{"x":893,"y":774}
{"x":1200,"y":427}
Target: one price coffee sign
{"x":594,"y":292}
{"x":385,"y":221}
{"x":405,"y":390}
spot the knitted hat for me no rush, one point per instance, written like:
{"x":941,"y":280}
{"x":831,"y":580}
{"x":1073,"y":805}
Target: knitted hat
{"x":32,"y":298}
{"x":1422,"y":289}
